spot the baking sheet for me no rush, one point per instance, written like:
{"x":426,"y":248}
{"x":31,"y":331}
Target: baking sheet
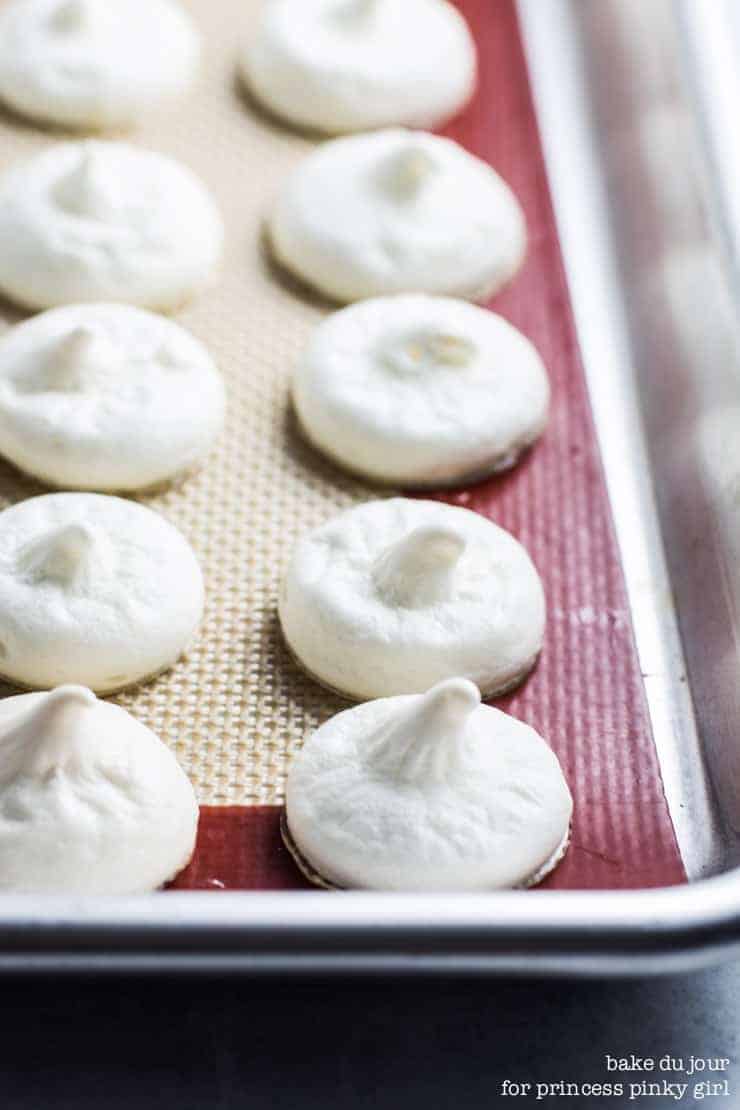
{"x":237,"y":708}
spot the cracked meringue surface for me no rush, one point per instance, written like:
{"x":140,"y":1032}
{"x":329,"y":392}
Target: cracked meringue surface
{"x":420,"y":391}
{"x":91,"y":801}
{"x":94,"y":590}
{"x":394,"y":595}
{"x":337,"y":66}
{"x":106,"y":397}
{"x":433,"y":791}
{"x":397,"y":211}
{"x":94,"y":64}
{"x":105,"y":221}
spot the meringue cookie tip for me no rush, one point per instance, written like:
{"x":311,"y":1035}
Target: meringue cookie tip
{"x":355,"y":12}
{"x":424,"y":744}
{"x":87,"y":189}
{"x":79,"y":358}
{"x":408,"y":170}
{"x":417,"y":569}
{"x":43,"y":739}
{"x":61,"y":555}
{"x":76,"y":15}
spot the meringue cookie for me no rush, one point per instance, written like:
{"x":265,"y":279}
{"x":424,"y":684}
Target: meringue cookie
{"x":94,"y":63}
{"x":420,"y":391}
{"x":346,"y":65}
{"x":392,"y":596}
{"x":99,"y":221}
{"x":427,"y":792}
{"x":396,"y":212}
{"x":106,"y":397}
{"x":93,"y":590}
{"x":91,"y":801}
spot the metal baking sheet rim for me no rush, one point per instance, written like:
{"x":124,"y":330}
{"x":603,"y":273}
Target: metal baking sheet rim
{"x":548,"y":933}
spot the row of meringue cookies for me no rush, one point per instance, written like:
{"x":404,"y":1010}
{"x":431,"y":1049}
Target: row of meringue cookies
{"x":97,"y":393}
{"x":379,"y":215}
{"x":416,"y":605}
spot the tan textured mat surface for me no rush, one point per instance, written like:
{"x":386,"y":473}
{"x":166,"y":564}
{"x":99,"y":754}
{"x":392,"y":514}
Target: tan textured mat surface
{"x":236,"y":708}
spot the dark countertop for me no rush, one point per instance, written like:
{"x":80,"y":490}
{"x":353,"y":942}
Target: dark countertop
{"x":212,"y":1044}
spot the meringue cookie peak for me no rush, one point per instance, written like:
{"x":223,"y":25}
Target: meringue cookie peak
{"x":426,"y":743}
{"x":174,"y":358}
{"x":428,"y":351}
{"x":417,"y":570}
{"x":407,"y":171}
{"x":354,"y":13}
{"x":67,"y":556}
{"x":88,"y":189}
{"x":79,"y":359}
{"x":43,"y":738}
{"x":78,"y":15}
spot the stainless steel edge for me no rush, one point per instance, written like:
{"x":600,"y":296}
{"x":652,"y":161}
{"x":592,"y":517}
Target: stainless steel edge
{"x":711,"y":48}
{"x":573,"y":136}
{"x":663,"y":139}
{"x":508,"y":933}
{"x":604,"y":138}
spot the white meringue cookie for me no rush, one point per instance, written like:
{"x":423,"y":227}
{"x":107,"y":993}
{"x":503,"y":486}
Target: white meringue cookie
{"x":91,"y":801}
{"x":94,"y":63}
{"x":398,"y":212}
{"x":420,"y":391}
{"x":94,"y":590}
{"x":101,"y":221}
{"x":106,"y":397}
{"x":427,"y":792}
{"x":351,"y":65}
{"x":392,"y":596}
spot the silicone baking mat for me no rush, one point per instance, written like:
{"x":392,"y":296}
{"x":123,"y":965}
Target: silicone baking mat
{"x":237,"y":708}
